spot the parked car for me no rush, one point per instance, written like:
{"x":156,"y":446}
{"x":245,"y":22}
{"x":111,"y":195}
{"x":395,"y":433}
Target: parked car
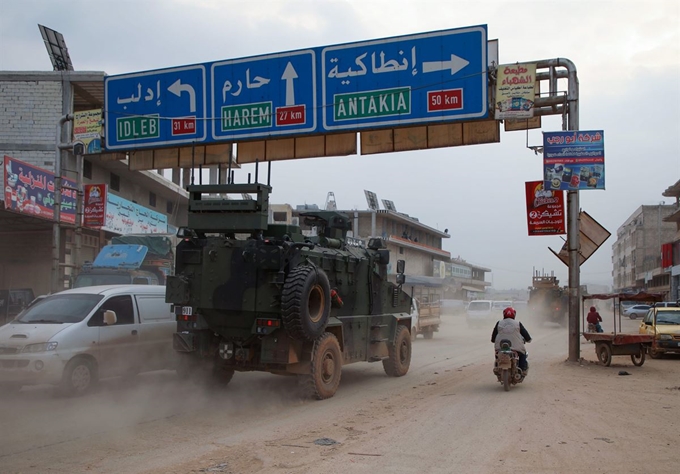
{"x":74,"y":337}
{"x":13,"y":302}
{"x":667,"y":304}
{"x":636,"y":311}
{"x":664,"y":325}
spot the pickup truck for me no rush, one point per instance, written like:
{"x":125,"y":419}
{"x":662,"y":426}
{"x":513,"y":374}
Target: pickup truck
{"x":425,"y":319}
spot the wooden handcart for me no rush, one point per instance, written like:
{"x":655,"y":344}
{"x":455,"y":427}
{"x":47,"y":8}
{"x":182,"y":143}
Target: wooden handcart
{"x":608,"y":345}
{"x":616,"y":343}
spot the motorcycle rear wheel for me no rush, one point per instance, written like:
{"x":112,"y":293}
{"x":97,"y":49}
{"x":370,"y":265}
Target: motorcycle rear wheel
{"x":506,"y":380}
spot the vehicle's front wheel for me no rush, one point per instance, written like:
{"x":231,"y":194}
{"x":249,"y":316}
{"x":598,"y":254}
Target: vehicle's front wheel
{"x":654,"y":354}
{"x":399,"y":359}
{"x":80,"y":375}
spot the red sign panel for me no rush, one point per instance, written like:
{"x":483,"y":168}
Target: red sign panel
{"x":545,"y":210}
{"x":184,"y":126}
{"x":451,"y":99}
{"x":291,"y":115}
{"x":667,"y":255}
{"x":94,"y":205}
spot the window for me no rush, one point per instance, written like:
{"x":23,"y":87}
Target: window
{"x":401,"y":250}
{"x":87,"y":169}
{"x":152,"y":199}
{"x":168,"y":207}
{"x":280,"y":216}
{"x":121,"y":305}
{"x":115,"y":182}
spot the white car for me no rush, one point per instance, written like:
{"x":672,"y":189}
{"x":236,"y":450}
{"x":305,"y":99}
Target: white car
{"x":74,"y":337}
{"x":635,"y":311}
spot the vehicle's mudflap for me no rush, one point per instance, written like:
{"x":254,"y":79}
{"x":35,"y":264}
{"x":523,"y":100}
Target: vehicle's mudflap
{"x":183,"y":342}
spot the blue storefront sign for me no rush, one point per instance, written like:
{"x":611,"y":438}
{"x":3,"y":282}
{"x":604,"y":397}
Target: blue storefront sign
{"x":573,"y":160}
{"x":126,"y":217}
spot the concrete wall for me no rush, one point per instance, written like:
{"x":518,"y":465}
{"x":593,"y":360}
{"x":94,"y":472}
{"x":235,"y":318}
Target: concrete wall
{"x":29,"y":112}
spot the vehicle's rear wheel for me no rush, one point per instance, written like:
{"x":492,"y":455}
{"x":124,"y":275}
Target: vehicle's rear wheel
{"x":654,"y":354}
{"x":306,"y":302}
{"x":604,"y":354}
{"x":428,"y":334}
{"x":80,"y":375}
{"x":506,"y":379}
{"x":638,"y":359}
{"x":326,"y":369}
{"x":399,"y":359}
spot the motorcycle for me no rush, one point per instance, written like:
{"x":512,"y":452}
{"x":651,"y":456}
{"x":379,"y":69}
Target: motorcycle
{"x":506,"y":367}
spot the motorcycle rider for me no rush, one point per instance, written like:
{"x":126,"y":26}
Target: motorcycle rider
{"x":512,"y":330}
{"x":594,"y":318}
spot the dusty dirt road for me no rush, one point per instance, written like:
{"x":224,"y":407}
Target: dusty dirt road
{"x":447,"y":415}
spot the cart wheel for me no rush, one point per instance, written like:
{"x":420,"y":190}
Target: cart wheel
{"x":604,"y":354}
{"x":638,"y":359}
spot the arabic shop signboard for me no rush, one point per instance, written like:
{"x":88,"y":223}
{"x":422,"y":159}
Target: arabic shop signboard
{"x":515,"y":91}
{"x":30,"y":190}
{"x":87,"y":128}
{"x":94,"y":205}
{"x":431,"y":77}
{"x":573,"y":160}
{"x":545,"y":210}
{"x":126,"y":217}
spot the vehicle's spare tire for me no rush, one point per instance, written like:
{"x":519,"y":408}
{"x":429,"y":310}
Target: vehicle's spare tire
{"x":306,"y":302}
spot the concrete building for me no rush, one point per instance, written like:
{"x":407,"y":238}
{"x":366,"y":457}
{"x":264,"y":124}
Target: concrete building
{"x":31,"y":106}
{"x":636,"y":254}
{"x":671,"y":251}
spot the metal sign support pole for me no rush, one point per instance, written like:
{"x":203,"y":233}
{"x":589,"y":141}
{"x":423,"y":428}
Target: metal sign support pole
{"x":573,"y":228}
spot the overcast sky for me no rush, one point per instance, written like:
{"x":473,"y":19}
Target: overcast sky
{"x":628,"y":60}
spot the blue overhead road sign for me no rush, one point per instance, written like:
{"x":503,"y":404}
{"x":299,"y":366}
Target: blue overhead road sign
{"x":264,"y":96}
{"x":407,"y":80}
{"x":155,"y":108}
{"x":411,"y":79}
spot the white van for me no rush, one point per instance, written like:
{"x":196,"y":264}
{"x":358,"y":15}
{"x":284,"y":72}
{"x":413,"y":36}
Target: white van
{"x":480,"y":312}
{"x":74,"y":337}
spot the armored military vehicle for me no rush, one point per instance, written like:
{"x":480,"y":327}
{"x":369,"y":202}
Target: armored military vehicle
{"x":253,"y":296}
{"x":548,"y":299}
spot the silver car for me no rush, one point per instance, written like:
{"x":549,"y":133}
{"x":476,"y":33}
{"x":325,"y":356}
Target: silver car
{"x":635,"y":311}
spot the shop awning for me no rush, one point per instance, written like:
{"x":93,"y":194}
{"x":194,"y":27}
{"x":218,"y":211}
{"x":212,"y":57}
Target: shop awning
{"x":471,"y":288}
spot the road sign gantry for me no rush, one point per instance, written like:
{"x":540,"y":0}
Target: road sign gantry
{"x":406,"y":80}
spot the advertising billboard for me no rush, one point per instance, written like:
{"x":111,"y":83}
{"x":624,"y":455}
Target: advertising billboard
{"x":573,"y":160}
{"x":29,"y":190}
{"x":545,"y":210}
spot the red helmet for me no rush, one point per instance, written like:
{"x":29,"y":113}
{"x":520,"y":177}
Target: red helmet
{"x":509,"y":312}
